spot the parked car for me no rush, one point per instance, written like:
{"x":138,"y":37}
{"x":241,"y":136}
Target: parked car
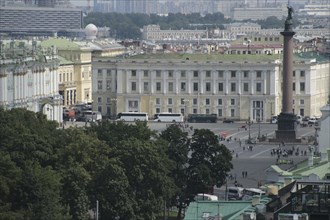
{"x":312,"y":120}
{"x":273,"y":120}
{"x":228,"y":121}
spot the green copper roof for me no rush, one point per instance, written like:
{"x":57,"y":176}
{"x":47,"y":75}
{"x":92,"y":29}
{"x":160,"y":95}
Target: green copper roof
{"x":60,"y":43}
{"x":64,"y":61}
{"x":227,"y":209}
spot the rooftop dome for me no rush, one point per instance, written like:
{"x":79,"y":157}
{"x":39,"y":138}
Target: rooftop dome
{"x":91,"y":31}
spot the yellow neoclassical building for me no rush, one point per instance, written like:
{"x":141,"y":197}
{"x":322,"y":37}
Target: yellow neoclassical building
{"x":75,"y":85}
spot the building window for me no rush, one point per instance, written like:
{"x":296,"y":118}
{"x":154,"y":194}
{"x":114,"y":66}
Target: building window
{"x":220,"y":87}
{"x":158,"y":73}
{"x":108,"y":84}
{"x":302,"y":112}
{"x":232,"y":101}
{"x":208,"y":87}
{"x":302,"y":102}
{"x":258,"y":74}
{"x":158,"y":86}
{"x":99,"y":108}
{"x":233,"y":74}
{"x":133,"y":73}
{"x":220,"y":74}
{"x":99,"y":85}
{"x":170,"y":101}
{"x":182,"y":101}
{"x":194,"y":101}
{"x":245,"y":87}
{"x":302,"y":86}
{"x":219,"y":101}
{"x":183,"y":74}
{"x":195,"y":73}
{"x":146,"y":86}
{"x":195,"y":86}
{"x":157,"y":110}
{"x":146,"y":73}
{"x":232,"y":112}
{"x":258,"y":85}
{"x":195,"y":111}
{"x":302,"y":73}
{"x":169,"y":110}
{"x":294,"y":86}
{"x":246,"y":74}
{"x":233,"y":87}
{"x":108,"y":73}
{"x":208,"y":74}
{"x":157,"y":101}
{"x":294,"y":73}
{"x":133,"y":86}
{"x":207,"y":111}
{"x":220,"y":112}
{"x":133,"y":104}
{"x":99,"y":99}
{"x":183,"y":86}
{"x":207,"y":101}
{"x":170,"y":73}
{"x":170,"y":86}
{"x":99,"y":73}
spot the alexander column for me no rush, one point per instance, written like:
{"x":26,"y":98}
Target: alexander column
{"x":286,"y":130}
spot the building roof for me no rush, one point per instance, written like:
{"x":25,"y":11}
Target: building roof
{"x":64,"y":61}
{"x":227,"y":209}
{"x":61,"y":43}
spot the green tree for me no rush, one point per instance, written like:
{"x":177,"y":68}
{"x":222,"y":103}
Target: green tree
{"x":38,"y":193}
{"x":205,"y":163}
{"x":79,"y":159}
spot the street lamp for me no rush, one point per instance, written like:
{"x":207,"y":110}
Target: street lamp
{"x":114,"y":108}
{"x":249,"y":123}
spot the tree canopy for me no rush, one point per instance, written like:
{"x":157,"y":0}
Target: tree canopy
{"x":52,"y":173}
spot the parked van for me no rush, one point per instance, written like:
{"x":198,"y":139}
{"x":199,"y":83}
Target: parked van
{"x":92,"y":116}
{"x":206,"y":197}
{"x":235,"y":193}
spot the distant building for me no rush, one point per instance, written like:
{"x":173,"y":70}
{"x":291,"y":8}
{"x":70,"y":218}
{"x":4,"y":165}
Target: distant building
{"x":76,"y":87}
{"x":153,"y":33}
{"x":244,"y":13}
{"x":39,"y":20}
{"x":231,"y":86}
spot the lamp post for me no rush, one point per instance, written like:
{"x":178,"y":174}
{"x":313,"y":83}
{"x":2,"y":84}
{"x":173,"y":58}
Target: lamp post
{"x":249,"y":123}
{"x":114,"y":108}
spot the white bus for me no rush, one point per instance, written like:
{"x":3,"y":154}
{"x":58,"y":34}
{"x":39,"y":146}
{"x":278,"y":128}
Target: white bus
{"x":132,"y":116}
{"x":168,"y":117}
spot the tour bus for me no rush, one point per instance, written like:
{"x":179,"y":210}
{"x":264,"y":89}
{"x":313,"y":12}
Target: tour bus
{"x":202,"y":118}
{"x":92,"y":115}
{"x":132,"y":116}
{"x":168,"y":117}
{"x":248,"y":193}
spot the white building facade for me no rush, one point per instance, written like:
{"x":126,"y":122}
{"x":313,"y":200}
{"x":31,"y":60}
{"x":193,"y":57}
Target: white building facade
{"x":30,"y":82}
{"x":231,"y":88}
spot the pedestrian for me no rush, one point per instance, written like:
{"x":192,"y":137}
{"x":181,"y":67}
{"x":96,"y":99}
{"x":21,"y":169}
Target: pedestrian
{"x":243,"y":174}
{"x":236,"y":155}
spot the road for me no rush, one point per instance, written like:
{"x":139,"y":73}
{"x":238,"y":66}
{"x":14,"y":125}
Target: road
{"x":257,"y":160}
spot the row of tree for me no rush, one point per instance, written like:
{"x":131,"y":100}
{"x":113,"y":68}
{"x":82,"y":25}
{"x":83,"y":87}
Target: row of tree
{"x":51,"y":173}
{"x":128,"y":26}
